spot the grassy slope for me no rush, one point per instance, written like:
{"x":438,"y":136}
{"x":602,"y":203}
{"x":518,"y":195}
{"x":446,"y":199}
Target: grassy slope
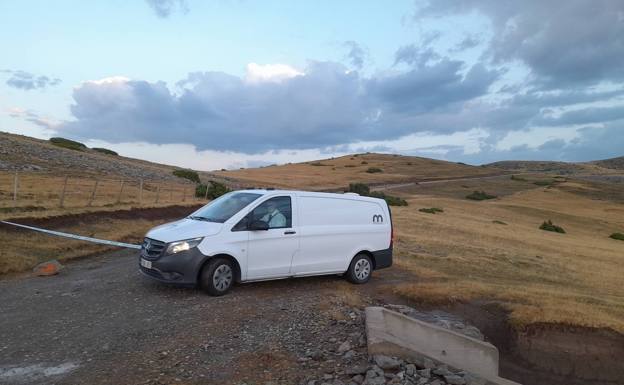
{"x":461,"y":255}
{"x":337,"y":173}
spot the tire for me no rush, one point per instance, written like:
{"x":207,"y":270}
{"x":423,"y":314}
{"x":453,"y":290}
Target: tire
{"x":217,"y":277}
{"x":360,"y":269}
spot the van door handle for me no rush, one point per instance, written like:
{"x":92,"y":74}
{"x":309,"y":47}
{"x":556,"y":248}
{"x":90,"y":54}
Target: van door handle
{"x":289,"y":232}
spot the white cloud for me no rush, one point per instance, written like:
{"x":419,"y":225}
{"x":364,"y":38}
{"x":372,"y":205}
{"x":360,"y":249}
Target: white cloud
{"x":258,"y":73}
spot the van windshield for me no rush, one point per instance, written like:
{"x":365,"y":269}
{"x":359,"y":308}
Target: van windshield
{"x":224,"y":207}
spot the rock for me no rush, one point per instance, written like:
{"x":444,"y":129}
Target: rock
{"x":358,"y":369}
{"x":344,"y":347}
{"x":47,"y":268}
{"x":454,"y":380}
{"x":410,"y":369}
{"x":386,"y":362}
{"x":424,"y":373}
{"x":327,"y":376}
{"x":436,"y":382}
{"x":442,"y":370}
{"x":374,"y":381}
{"x":349,"y":355}
{"x":471,"y":379}
{"x":428,"y":364}
{"x":358,"y":379}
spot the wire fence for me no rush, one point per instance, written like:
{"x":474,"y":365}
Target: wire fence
{"x":34,"y":189}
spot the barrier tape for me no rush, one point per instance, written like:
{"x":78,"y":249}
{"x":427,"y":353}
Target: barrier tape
{"x":73,"y":236}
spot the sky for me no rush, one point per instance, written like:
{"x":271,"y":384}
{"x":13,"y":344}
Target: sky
{"x":243,"y":83}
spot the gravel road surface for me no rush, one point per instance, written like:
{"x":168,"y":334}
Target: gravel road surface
{"x":101,"y":322}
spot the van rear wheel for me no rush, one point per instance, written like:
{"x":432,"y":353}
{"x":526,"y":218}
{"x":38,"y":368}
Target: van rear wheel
{"x":360,"y":269}
{"x":217,"y":276}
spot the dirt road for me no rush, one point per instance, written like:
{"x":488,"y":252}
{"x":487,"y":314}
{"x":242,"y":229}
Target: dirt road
{"x":101,"y":322}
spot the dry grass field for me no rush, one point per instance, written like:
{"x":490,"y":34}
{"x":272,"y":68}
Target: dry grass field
{"x":337,"y":173}
{"x":494,"y":250}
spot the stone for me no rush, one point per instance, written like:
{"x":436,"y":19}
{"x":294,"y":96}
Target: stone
{"x":374,"y":381}
{"x":424,"y":373}
{"x":442,"y":370}
{"x":47,"y":268}
{"x":349,"y":355}
{"x":428,"y":363}
{"x":386,"y":362}
{"x":454,"y":380}
{"x":344,"y":347}
{"x":327,"y":376}
{"x":357,"y":369}
{"x":358,"y":378}
{"x":410,"y":369}
{"x":471,"y":379}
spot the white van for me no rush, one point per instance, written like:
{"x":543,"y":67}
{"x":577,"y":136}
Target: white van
{"x":254,"y":235}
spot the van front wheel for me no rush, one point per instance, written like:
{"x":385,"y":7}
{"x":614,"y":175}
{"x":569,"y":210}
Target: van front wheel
{"x":217,"y":276}
{"x":360,"y":269}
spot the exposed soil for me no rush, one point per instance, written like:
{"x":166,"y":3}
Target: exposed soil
{"x":151,"y":213}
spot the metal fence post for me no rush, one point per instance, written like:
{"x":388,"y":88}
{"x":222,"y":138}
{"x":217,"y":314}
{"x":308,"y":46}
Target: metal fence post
{"x":62,"y":203}
{"x":15,"y":184}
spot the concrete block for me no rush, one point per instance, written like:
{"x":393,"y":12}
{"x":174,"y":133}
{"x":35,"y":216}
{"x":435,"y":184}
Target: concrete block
{"x":392,"y":333}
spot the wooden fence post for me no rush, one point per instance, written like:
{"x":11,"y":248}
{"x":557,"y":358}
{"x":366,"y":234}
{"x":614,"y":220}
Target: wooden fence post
{"x":184,"y":194}
{"x":140,"y":191}
{"x":120,"y":191}
{"x":206,"y":195}
{"x":93,"y":193}
{"x":62,"y":204}
{"x":15,"y":184}
{"x":157,"y":193}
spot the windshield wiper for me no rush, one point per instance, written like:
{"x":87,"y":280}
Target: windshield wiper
{"x":205,"y":219}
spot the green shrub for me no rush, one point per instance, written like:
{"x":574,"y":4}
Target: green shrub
{"x":364,"y":190}
{"x":618,"y":236}
{"x":544,"y":182}
{"x":518,"y":178}
{"x":187,"y":174}
{"x":66,"y":143}
{"x":431,"y":210}
{"x":549,"y":226}
{"x":480,"y":196}
{"x":390,"y":200}
{"x":318,"y":164}
{"x":374,"y":170}
{"x":359,"y":188}
{"x":105,"y":151}
{"x":364,"y":162}
{"x":349,"y":165}
{"x":215,"y":190}
{"x":499,"y":222}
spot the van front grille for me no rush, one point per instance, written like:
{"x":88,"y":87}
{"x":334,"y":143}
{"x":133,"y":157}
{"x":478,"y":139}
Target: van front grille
{"x":152,"y":249}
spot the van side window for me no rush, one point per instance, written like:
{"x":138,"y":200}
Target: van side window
{"x":277,"y":212}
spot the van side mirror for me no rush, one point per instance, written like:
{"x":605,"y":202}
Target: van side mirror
{"x":258,"y":225}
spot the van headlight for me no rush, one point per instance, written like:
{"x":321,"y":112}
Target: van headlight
{"x":176,"y":247}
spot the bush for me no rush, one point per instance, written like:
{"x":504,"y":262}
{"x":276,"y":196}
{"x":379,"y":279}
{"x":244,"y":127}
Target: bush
{"x":544,"y":182}
{"x":349,"y":165}
{"x":105,"y":151}
{"x":618,"y":236}
{"x":187,"y":174}
{"x":480,"y":196}
{"x":359,"y":188}
{"x":518,"y":178}
{"x":364,"y":162}
{"x":390,"y":200}
{"x":215,"y":190}
{"x":318,"y":164}
{"x":374,"y":170}
{"x":364,"y":190}
{"x":499,"y":222}
{"x":431,"y":210}
{"x":549,"y":226}
{"x":66,"y":143}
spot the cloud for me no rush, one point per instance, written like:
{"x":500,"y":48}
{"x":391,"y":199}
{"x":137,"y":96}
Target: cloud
{"x":567,"y":43}
{"x":276,"y":107}
{"x":356,"y":54}
{"x":27,"y":81}
{"x":32,"y":117}
{"x":164,"y":8}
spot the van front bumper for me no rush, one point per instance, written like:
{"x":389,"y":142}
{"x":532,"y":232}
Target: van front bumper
{"x":180,"y":269}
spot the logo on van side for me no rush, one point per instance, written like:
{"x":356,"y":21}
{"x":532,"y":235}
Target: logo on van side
{"x":377,"y":218}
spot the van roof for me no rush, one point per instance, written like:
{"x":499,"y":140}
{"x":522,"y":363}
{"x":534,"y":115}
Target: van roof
{"x":349,"y":195}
